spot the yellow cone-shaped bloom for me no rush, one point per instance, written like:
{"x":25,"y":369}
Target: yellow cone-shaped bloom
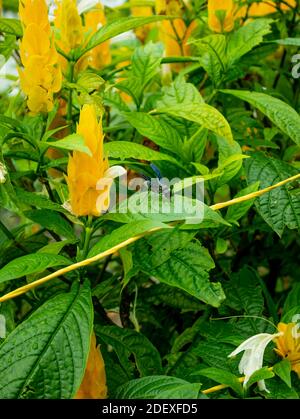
{"x":41,"y":76}
{"x":143,"y":31}
{"x":93,"y":385}
{"x":99,"y":56}
{"x":221,"y":15}
{"x":68,"y":25}
{"x":288,"y":344}
{"x":89,"y":177}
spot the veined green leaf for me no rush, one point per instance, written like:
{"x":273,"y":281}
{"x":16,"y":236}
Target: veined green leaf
{"x":186,"y":268}
{"x":123,"y":233}
{"x":71,"y":142}
{"x":126,"y":150}
{"x":158,"y":387}
{"x":279,"y":208}
{"x":280,"y":113}
{"x":112,"y":29}
{"x":11,"y":26}
{"x":246,"y":38}
{"x":46,"y":355}
{"x":53,"y":221}
{"x":30,"y":264}
{"x":127,"y":342}
{"x":156,"y":129}
{"x":204,"y":115}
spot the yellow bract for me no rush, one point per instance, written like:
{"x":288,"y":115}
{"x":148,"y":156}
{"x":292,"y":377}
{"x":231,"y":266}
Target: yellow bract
{"x":93,"y":385}
{"x":85,"y":171}
{"x":288,"y":345}
{"x":221,"y":15}
{"x":41,"y":76}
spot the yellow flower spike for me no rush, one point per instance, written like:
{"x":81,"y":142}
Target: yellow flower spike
{"x":89,"y":177}
{"x":221,"y":15}
{"x":41,"y":76}
{"x":288,"y":344}
{"x":68,"y":25}
{"x":93,"y":385}
{"x":99,"y":56}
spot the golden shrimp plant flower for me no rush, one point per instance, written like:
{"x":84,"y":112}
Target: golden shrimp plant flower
{"x":288,"y":344}
{"x":89,"y":176}
{"x":41,"y":76}
{"x":68,"y":24}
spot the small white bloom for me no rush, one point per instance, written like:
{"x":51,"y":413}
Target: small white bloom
{"x":252,"y":360}
{"x":2,"y":327}
{"x":3,"y":173}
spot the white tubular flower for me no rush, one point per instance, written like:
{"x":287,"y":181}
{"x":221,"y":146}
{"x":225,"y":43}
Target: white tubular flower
{"x":252,"y":360}
{"x":85,"y":5}
{"x":3,"y":173}
{"x":104,"y":185}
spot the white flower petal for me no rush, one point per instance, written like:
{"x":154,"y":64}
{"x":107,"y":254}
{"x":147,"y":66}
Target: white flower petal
{"x":250,"y":343}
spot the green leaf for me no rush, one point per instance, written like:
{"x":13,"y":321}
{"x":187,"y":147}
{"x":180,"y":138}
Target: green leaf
{"x":279,"y":390}
{"x":244,"y":293}
{"x":152,"y":206}
{"x":261,"y":374}
{"x":212,"y":55}
{"x":37,"y":200}
{"x":116,"y":27}
{"x":158,"y":387}
{"x":127,"y":342}
{"x":186,"y":268}
{"x":283,"y":370}
{"x":292,"y":299}
{"x":179,"y":93}
{"x":230,"y":160}
{"x":237,"y":211}
{"x":126,"y":150}
{"x":11,"y":26}
{"x":279,"y":208}
{"x":31,"y":264}
{"x":145,"y":64}
{"x":246,"y":38}
{"x":157,"y":130}
{"x":74,"y":142}
{"x":124,"y":233}
{"x":222,"y":376}
{"x":204,"y":115}
{"x":280,"y":113}
{"x":46,"y":355}
{"x":52,"y":221}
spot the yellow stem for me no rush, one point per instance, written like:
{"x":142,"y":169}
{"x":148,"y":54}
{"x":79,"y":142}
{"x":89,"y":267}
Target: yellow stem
{"x":253,"y":194}
{"x":108,"y":252}
{"x":222,"y":386}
